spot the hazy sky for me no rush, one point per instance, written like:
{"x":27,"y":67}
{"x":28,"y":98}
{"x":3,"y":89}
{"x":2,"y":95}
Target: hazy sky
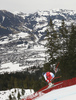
{"x":28,"y":6}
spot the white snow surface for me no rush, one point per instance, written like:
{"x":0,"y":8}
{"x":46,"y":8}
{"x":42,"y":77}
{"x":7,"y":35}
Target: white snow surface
{"x":10,"y":67}
{"x":67,"y":93}
{"x":4,"y":95}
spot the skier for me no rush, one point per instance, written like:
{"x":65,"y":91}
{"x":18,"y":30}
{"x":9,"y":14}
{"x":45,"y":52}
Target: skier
{"x":48,"y":77}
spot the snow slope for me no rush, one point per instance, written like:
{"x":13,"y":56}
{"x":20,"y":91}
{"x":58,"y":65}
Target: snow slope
{"x":68,"y":93}
{"x":63,"y":90}
{"x":4,"y":95}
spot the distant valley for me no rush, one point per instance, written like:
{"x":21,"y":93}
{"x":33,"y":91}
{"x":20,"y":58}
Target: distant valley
{"x":23,"y":37}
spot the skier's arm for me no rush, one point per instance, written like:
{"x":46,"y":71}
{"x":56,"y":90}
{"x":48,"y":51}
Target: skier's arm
{"x":46,"y":78}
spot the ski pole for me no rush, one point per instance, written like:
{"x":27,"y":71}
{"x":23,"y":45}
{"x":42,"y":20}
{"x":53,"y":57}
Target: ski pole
{"x":56,"y":67}
{"x":56,"y":78}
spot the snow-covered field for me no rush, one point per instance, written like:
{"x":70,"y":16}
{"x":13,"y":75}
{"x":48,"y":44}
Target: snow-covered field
{"x":18,"y":57}
{"x":67,"y":93}
{"x":4,"y":95}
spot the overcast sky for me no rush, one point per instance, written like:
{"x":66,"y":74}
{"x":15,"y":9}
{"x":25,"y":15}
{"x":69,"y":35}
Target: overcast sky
{"x":29,"y":6}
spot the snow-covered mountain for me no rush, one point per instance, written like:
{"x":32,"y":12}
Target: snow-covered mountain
{"x":22,"y":37}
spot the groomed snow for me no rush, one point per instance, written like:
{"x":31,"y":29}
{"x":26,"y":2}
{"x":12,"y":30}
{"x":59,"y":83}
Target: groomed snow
{"x":68,"y":93}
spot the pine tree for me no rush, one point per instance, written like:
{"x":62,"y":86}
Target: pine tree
{"x":72,"y":51}
{"x":50,"y":40}
{"x":67,"y":65}
{"x":64,"y":37}
{"x":53,"y":46}
{"x":72,"y":42}
{"x":61,"y":47}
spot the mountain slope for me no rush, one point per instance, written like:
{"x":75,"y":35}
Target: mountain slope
{"x":22,"y":37}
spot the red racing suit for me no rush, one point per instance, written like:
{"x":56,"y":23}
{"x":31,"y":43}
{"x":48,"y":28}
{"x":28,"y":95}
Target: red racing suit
{"x":49,"y":76}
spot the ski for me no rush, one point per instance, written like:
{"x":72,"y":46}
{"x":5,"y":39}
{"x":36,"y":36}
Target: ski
{"x":57,"y":84}
{"x":52,"y":86}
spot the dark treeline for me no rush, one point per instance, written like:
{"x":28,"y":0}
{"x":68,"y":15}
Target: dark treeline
{"x":24,"y":80}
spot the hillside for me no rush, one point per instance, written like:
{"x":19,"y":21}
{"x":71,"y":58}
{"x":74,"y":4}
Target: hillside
{"x":22,"y":49}
{"x":22,"y":37}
